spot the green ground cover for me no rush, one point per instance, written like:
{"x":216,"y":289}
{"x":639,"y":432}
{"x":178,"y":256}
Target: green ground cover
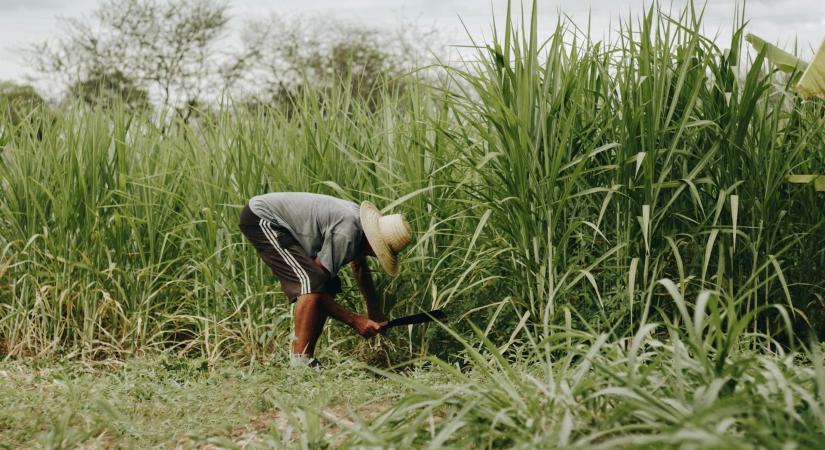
{"x":162,"y":402}
{"x":581,"y":391}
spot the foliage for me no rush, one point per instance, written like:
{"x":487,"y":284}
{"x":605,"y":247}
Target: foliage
{"x":321,"y":52}
{"x":784,"y":61}
{"x":159,"y":401}
{"x":18,"y":101}
{"x":607,"y":166}
{"x":812,"y":82}
{"x":146,"y":221}
{"x":696,"y":379}
{"x":168,"y":48}
{"x":543,"y":177}
{"x":172,"y":52}
{"x":615,"y":215}
{"x":107,"y":90}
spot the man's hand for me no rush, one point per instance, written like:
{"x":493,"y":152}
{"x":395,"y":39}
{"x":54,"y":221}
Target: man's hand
{"x":377,"y":316}
{"x":366,"y":327}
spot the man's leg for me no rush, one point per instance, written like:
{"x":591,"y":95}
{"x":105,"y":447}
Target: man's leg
{"x":309,"y":323}
{"x":311,"y":310}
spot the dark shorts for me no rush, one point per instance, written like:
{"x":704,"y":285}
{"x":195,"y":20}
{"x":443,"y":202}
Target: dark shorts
{"x":298,"y":274}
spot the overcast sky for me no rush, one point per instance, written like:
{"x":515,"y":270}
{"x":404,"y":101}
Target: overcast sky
{"x":25,"y":21}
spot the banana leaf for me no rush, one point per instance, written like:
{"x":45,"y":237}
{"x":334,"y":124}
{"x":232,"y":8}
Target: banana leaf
{"x":812,"y":82}
{"x":817,"y":180}
{"x":783,"y":60}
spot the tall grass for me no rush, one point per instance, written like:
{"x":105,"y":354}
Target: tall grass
{"x":548,"y":182}
{"x":697,"y":382}
{"x":656,"y":155}
{"x":121,"y":234}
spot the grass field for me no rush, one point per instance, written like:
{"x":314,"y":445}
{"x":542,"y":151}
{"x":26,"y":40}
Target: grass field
{"x":607,"y":225}
{"x":163,"y":402}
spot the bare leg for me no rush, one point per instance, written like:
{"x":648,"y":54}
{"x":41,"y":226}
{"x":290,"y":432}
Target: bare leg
{"x":309,"y":323}
{"x":311,"y":311}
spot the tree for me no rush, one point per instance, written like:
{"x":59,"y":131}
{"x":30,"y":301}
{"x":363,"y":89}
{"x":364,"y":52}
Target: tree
{"x":18,"y":101}
{"x":168,"y":49}
{"x":322,"y":52}
{"x":105,"y":90}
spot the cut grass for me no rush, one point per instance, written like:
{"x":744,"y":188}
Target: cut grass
{"x":162,"y":402}
{"x":651,"y":391}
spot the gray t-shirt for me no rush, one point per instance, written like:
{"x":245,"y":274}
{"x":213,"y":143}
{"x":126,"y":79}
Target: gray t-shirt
{"x":328,"y":228}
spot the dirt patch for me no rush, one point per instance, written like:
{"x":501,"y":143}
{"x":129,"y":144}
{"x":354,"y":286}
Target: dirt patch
{"x":250,"y":433}
{"x":339,"y":415}
{"x":105,"y":440}
{"x":335,"y":420}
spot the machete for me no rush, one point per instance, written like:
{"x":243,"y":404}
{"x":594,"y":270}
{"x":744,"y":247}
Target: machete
{"x":415,"y":319}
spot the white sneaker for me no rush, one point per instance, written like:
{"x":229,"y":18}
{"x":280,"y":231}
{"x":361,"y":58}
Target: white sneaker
{"x":301,"y":360}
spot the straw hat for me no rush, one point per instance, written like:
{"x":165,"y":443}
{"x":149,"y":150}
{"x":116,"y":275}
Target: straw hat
{"x":387,"y":235}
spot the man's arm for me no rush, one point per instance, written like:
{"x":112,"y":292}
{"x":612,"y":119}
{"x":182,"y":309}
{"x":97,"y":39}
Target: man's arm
{"x":363,"y":278}
{"x":362,"y":325}
{"x":366,"y":327}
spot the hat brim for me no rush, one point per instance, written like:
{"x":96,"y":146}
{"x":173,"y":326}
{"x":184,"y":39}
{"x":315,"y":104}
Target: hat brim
{"x":369,"y":223}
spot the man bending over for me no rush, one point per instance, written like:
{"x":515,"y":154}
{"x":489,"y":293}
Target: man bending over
{"x":305,"y":239}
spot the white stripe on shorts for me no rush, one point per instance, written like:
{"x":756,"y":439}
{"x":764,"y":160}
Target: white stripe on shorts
{"x":300,"y":273}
